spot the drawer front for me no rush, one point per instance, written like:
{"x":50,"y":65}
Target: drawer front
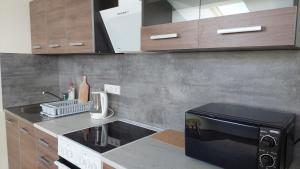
{"x":26,"y":129}
{"x":257,"y":29}
{"x":12,"y":134}
{"x":46,"y":145}
{"x":11,"y":120}
{"x":27,"y":145}
{"x":183,"y":35}
{"x":44,"y":161}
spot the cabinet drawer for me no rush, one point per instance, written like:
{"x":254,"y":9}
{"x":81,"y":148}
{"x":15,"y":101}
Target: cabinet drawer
{"x":183,"y":35}
{"x":45,"y":162}
{"x":256,"y":29}
{"x":27,"y":145}
{"x":11,"y":120}
{"x":46,"y":145}
{"x":26,"y":129}
{"x":12,"y":134}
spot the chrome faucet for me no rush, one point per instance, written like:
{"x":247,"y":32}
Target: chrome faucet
{"x":51,"y":94}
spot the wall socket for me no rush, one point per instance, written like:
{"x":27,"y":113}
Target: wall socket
{"x":112,"y":89}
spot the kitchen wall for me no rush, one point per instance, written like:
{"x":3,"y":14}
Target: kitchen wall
{"x":3,"y":150}
{"x":25,"y":76}
{"x":158,"y":88}
{"x":15,"y":26}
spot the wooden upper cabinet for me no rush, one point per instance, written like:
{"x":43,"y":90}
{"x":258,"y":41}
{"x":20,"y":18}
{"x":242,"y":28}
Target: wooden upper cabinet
{"x":79,"y":26}
{"x":223,"y":24}
{"x":56,"y":26}
{"x":173,"y":36}
{"x":262,"y":29}
{"x":12,"y":132}
{"x":38,"y":26}
{"x":170,"y":25}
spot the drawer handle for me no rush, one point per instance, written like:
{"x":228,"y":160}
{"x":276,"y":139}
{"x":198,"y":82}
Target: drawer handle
{"x":54,"y":46}
{"x":43,"y":143}
{"x":9,"y":121}
{"x":77,"y":44}
{"x":164,"y":36}
{"x":240,"y":30}
{"x":44,"y":161}
{"x":24,"y":131}
{"x":37,"y":47}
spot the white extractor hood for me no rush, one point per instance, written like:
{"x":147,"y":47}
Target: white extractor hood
{"x":123,"y":25}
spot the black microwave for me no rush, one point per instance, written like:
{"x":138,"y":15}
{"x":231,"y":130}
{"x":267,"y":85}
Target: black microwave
{"x":240,"y":137}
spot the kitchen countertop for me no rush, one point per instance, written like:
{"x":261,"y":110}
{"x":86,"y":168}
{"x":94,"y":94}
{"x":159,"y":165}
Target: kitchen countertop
{"x":30,"y":113}
{"x":71,"y":123}
{"x":152,"y":153}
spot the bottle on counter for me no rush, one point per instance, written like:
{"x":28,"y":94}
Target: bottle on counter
{"x":71,"y":91}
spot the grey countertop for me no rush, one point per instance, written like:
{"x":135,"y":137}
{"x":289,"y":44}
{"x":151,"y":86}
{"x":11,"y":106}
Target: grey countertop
{"x":150,"y":153}
{"x":70,"y":124}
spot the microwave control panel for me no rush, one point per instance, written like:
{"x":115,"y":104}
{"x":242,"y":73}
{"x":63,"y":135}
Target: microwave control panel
{"x":269,"y":149}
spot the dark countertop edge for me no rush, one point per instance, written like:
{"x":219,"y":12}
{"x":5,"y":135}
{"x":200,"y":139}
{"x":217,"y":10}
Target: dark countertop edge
{"x":19,"y":117}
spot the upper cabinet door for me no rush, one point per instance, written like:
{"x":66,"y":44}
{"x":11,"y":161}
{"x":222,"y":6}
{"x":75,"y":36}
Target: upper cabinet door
{"x":79,"y":26}
{"x":170,"y":24}
{"x":56,"y":26}
{"x":38,"y":26}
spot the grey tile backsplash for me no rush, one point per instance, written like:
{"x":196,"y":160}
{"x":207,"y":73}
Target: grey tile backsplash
{"x":24,"y":77}
{"x":158,"y":88}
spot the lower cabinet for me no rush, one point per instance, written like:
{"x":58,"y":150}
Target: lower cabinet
{"x":106,"y":166}
{"x":12,"y":133}
{"x":28,"y":147}
{"x":46,"y":150}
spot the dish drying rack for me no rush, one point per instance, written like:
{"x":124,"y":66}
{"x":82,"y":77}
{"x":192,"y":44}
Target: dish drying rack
{"x":64,"y":108}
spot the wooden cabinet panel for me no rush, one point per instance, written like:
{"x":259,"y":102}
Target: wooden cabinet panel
{"x":56,"y":25}
{"x":278,"y":29}
{"x":27,"y":146}
{"x":157,"y":37}
{"x":106,"y":166}
{"x":12,"y":133}
{"x":46,"y":149}
{"x":38,"y":26}
{"x":79,"y":26}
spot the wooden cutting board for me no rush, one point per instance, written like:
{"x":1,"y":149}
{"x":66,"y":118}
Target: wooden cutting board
{"x":84,"y":90}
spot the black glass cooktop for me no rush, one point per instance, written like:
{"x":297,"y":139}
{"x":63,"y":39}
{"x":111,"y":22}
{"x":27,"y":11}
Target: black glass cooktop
{"x":109,"y":136}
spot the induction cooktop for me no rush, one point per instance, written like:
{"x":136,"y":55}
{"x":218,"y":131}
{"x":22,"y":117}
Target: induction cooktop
{"x":109,"y":136}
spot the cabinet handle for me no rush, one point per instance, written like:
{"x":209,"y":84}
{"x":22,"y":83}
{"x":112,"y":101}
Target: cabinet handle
{"x":164,"y":36}
{"x":54,"y":45}
{"x":25,"y":131}
{"x":9,"y":121}
{"x":43,"y":142}
{"x":37,"y":47}
{"x":44,"y":161}
{"x":240,"y":30}
{"x":77,"y":44}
